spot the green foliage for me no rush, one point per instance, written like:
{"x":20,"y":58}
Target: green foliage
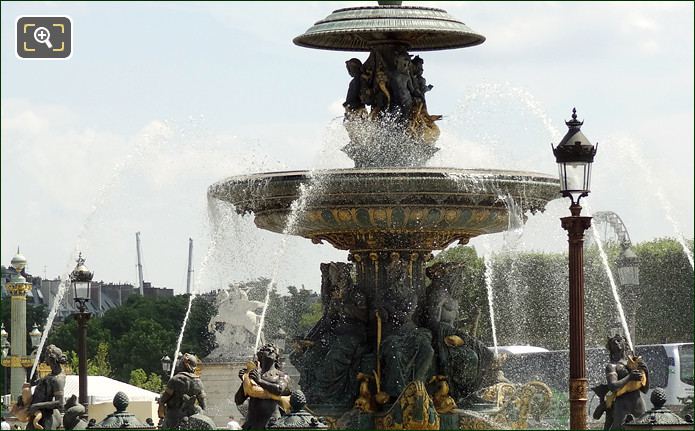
{"x":295,"y":313}
{"x":309,"y":318}
{"x":99,"y":365}
{"x":64,"y":335}
{"x":531,"y":295}
{"x":665,"y":300}
{"x":139,"y":378}
{"x":139,"y":333}
{"x":73,"y":360}
{"x":530,"y":299}
{"x":142,"y":347}
{"x":296,"y":306}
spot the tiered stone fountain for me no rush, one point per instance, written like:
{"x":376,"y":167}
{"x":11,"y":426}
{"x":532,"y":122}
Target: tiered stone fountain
{"x":387,"y":352}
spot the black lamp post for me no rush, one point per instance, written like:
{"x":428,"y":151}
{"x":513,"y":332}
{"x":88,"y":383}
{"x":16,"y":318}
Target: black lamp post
{"x":628,"y":276}
{"x":574,"y":156}
{"x":81,"y":279}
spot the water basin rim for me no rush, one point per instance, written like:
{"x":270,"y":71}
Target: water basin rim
{"x":392,"y":172}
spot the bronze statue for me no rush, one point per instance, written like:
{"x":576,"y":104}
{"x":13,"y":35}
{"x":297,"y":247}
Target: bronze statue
{"x":43,"y":408}
{"x":336,"y":345}
{"x":266,"y":387}
{"x":406,"y":350}
{"x":72,"y":419}
{"x":421,"y":86}
{"x":461,"y":357}
{"x":353,"y":100}
{"x":183,"y":396}
{"x":402,"y":86}
{"x":422,"y":124}
{"x":300,"y":418}
{"x":627,"y":377}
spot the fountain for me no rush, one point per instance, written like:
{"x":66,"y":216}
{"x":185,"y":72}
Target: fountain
{"x":387,"y":343}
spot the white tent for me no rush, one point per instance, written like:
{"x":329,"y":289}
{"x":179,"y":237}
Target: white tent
{"x":101,"y":391}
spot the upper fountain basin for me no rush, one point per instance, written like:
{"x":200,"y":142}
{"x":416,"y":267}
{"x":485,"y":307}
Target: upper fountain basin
{"x":360,"y":28}
{"x":387,"y":208}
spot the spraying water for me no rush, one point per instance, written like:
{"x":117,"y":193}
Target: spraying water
{"x":614,"y":288}
{"x":632,"y":149}
{"x":488,"y":285}
{"x":49,"y":322}
{"x":197,"y":281}
{"x":297,"y":208}
{"x":103,"y":193}
{"x":183,"y":329}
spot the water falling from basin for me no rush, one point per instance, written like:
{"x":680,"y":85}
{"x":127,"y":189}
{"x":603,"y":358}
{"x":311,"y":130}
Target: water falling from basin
{"x":488,"y":286}
{"x":629,"y":147}
{"x":614,"y":287}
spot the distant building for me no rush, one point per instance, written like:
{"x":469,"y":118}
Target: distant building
{"x":103,"y":296}
{"x":156,"y":292}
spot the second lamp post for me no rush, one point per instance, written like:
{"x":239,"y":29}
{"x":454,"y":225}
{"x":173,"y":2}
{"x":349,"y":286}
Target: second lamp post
{"x":574,"y":156}
{"x":81,"y":279}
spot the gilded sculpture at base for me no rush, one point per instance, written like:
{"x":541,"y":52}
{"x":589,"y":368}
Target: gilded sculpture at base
{"x":516,"y":403}
{"x":365,"y":402}
{"x":627,"y":377}
{"x":266,"y":387}
{"x":413,"y":410}
{"x":443,"y":402}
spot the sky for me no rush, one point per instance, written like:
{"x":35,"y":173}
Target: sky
{"x":161,"y":100}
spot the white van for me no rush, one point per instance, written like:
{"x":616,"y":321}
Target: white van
{"x":680,"y":372}
{"x":519,"y":350}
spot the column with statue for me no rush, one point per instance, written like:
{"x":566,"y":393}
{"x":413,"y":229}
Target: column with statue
{"x":18,"y":287}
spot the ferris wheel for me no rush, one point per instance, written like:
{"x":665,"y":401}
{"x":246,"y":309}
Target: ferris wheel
{"x":611,"y":229}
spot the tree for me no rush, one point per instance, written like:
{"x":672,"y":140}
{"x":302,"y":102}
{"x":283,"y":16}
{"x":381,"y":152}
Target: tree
{"x":665,"y":310}
{"x":297,"y":304}
{"x":64,"y":335}
{"x":309,"y":318}
{"x":73,"y":360}
{"x":142,"y":347}
{"x":531,"y":296}
{"x":99,"y":366}
{"x":139,"y":378}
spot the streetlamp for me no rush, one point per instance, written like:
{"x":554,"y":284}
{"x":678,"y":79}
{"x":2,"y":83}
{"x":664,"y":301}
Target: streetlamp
{"x":628,"y":276}
{"x":574,"y":156}
{"x":81,"y":279}
{"x":35,"y":336}
{"x":166,"y":366}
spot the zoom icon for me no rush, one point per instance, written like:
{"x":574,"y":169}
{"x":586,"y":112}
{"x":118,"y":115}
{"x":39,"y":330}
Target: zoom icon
{"x":44,"y":37}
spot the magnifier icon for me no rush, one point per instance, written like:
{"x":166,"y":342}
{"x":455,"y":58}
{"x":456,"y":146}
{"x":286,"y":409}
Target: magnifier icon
{"x":42,"y":35}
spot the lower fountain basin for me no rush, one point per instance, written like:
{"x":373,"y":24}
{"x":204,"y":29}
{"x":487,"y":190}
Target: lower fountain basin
{"x":387,"y":208}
